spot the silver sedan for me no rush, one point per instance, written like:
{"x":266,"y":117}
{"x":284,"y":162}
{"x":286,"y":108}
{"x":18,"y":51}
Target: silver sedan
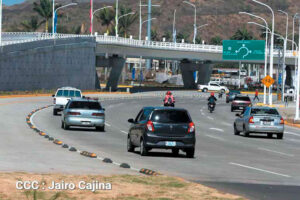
{"x":259,"y":120}
{"x":83,"y":113}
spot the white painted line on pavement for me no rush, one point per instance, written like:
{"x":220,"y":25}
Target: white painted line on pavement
{"x":107,"y":124}
{"x":226,"y":124}
{"x":278,"y":152}
{"x":261,"y":170}
{"x":210,"y":118}
{"x":124,"y":132}
{"x":215,"y":137}
{"x":217,"y":129}
{"x":291,"y":133}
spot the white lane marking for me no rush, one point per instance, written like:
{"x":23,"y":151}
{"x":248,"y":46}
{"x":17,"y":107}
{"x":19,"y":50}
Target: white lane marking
{"x":278,"y":152}
{"x":226,"y":124}
{"x":258,"y":169}
{"x":215,"y":137}
{"x":217,"y":129}
{"x":107,"y":124}
{"x":124,"y":132}
{"x":210,"y":118}
{"x":291,"y":133}
{"x":202,"y":113}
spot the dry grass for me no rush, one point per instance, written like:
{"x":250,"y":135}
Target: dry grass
{"x":124,"y":187}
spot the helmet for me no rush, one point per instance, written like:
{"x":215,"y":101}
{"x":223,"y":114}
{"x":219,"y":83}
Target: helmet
{"x":212,"y":94}
{"x":169,"y":93}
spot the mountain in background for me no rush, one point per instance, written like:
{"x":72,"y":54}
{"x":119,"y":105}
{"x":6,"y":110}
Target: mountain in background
{"x":221,"y":15}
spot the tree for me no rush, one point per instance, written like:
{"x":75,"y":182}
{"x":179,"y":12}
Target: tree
{"x":242,"y":34}
{"x":168,"y":36}
{"x":154,"y":35}
{"x":198,"y":40}
{"x":126,"y":21}
{"x":217,"y":40}
{"x":181,"y":36}
{"x":31,"y":25}
{"x":106,"y":16}
{"x":44,"y":9}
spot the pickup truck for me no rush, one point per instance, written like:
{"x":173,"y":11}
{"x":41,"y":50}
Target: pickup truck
{"x":213,"y":87}
{"x":62,"y":97}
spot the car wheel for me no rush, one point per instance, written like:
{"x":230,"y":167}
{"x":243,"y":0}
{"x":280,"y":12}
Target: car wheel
{"x":100,"y":128}
{"x":130,"y":147}
{"x":204,"y":90}
{"x":143,"y":150}
{"x":246,"y":133}
{"x":66,"y":127}
{"x":54,"y":112}
{"x":62,"y":124}
{"x":280,"y":136}
{"x":270,"y":135}
{"x":232,"y":109}
{"x":236,"y":132}
{"x":175,"y":152}
{"x":190,"y":153}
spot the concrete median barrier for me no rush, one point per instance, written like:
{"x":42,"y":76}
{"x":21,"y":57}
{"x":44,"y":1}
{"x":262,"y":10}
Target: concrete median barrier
{"x":58,"y":142}
{"x":107,"y":160}
{"x":88,"y":154}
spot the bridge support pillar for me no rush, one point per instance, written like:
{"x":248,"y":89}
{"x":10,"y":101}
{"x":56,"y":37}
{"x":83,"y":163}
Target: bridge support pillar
{"x":204,"y":73}
{"x":187,"y":70}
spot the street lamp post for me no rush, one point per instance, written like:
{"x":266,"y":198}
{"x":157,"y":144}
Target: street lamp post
{"x":298,"y":82}
{"x":53,"y":10}
{"x":54,"y":15}
{"x":266,"y":50}
{"x":272,"y":46}
{"x":131,"y":13}
{"x":283,"y":75}
{"x":195,"y":20}
{"x":295,"y":16}
{"x":141,"y":25}
{"x":117,"y":17}
{"x":93,"y":13}
{"x":174,"y":27}
{"x":0,"y":22}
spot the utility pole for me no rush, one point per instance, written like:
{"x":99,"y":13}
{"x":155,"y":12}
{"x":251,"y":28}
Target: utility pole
{"x":0,"y":22}
{"x":148,"y":62}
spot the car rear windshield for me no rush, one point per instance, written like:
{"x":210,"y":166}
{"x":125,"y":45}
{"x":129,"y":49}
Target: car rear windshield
{"x":259,"y":111}
{"x":85,"y":105}
{"x":170,"y":116}
{"x":242,"y":99}
{"x":68,"y":93}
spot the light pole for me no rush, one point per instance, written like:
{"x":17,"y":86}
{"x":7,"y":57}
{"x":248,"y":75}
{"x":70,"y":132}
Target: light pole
{"x":272,"y":47}
{"x":141,"y":25}
{"x":131,"y":13}
{"x":174,"y":27}
{"x":53,"y":10}
{"x":94,"y":12}
{"x":283,"y":75}
{"x":54,"y":15}
{"x":0,"y":22}
{"x":266,"y":50}
{"x":117,"y":17}
{"x":295,"y":16}
{"x":195,"y":20}
{"x":298,"y":82}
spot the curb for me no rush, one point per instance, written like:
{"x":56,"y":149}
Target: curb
{"x":291,"y":124}
{"x":73,"y":149}
{"x":273,"y":106}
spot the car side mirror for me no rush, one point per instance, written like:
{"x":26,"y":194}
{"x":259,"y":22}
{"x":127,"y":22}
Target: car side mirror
{"x":53,"y":95}
{"x":131,"y":121}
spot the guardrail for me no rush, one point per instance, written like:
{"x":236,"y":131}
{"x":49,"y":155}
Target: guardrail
{"x":23,"y":37}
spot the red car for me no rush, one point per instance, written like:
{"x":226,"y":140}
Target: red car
{"x":240,"y":103}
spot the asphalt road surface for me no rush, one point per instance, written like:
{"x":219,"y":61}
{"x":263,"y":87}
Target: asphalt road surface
{"x":256,"y":167}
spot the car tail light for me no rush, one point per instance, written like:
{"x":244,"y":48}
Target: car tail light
{"x":73,"y":113}
{"x":281,"y":121}
{"x":251,"y":121}
{"x":150,"y":126}
{"x":98,"y":114}
{"x":54,"y":101}
{"x":191,"y":127}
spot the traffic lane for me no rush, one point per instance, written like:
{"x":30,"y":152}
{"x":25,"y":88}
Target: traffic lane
{"x":208,"y":151}
{"x":21,"y":149}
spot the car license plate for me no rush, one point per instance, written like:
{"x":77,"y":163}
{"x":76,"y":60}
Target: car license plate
{"x":86,"y":123}
{"x":241,"y":107}
{"x":171,"y":144}
{"x":267,"y":123}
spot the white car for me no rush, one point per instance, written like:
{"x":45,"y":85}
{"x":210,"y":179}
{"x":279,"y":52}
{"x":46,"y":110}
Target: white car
{"x":243,"y":72}
{"x":62,"y":96}
{"x":211,"y":86}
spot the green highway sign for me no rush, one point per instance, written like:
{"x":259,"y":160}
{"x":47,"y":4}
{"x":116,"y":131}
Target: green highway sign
{"x":244,"y":49}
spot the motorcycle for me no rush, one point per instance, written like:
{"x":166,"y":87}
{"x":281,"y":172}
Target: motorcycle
{"x":169,"y":103}
{"x":211,"y":107}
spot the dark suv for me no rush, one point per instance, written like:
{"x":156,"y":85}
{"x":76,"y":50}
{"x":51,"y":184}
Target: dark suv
{"x":240,"y":103}
{"x":164,"y":128}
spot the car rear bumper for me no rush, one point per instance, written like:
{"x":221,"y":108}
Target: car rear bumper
{"x":266,"y":129}
{"x":154,"y":141}
{"x":84,"y":122}
{"x":239,"y":107}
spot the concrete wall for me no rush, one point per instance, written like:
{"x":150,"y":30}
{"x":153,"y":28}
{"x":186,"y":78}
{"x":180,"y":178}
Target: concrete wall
{"x":48,"y":65}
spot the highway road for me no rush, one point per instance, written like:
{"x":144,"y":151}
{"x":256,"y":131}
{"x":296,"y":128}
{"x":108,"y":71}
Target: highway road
{"x":255,"y":167}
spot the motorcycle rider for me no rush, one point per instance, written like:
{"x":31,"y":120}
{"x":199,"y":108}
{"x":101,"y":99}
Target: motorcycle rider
{"x":212,"y":99}
{"x":169,"y":99}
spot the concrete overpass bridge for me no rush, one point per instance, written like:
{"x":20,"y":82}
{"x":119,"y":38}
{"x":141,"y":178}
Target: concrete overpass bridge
{"x":111,"y":51}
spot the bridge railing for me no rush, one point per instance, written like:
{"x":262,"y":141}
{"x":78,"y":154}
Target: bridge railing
{"x":23,"y":37}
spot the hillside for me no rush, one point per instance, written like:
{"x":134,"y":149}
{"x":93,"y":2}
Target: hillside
{"x":222,"y":16}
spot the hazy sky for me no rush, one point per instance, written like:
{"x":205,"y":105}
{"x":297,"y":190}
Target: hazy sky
{"x":11,"y":2}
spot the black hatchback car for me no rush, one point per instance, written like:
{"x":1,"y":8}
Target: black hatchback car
{"x":163,"y":128}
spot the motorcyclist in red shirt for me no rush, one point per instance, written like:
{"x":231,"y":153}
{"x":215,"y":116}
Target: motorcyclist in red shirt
{"x":169,"y":99}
